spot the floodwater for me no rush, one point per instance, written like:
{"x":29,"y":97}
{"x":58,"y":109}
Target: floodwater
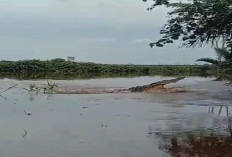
{"x":116,"y":125}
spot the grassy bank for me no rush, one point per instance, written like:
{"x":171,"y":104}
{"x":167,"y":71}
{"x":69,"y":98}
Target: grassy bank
{"x":60,"y":69}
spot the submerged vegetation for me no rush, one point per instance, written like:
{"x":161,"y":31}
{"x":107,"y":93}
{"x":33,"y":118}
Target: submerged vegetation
{"x":60,"y":69}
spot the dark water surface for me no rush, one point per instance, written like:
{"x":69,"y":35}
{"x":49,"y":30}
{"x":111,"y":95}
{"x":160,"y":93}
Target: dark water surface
{"x":116,"y":125}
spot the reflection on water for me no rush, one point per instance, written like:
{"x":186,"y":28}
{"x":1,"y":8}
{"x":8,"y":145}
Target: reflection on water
{"x":199,"y":146}
{"x":116,"y":125}
{"x":211,"y":137}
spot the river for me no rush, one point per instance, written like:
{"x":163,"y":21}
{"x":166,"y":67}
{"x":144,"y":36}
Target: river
{"x":118,"y":124}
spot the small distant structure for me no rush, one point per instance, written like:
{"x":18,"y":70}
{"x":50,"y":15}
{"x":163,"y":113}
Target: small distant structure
{"x":71,"y":59}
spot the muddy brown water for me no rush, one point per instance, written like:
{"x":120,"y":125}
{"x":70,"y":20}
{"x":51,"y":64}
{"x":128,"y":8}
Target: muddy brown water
{"x":116,"y":125}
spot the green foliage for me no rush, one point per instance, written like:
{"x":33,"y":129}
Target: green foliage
{"x":49,"y":88}
{"x":33,"y":87}
{"x":196,"y":22}
{"x":209,"y":60}
{"x":224,"y":61}
{"x":60,"y":69}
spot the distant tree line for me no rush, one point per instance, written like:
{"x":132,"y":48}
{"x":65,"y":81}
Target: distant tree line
{"x":67,"y":67}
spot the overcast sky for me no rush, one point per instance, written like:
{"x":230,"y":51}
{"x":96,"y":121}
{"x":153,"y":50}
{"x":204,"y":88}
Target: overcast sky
{"x":103,"y":31}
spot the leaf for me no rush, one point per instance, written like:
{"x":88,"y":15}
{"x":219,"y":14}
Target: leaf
{"x":159,"y":45}
{"x":209,"y":60}
{"x":162,"y":40}
{"x":169,"y":41}
{"x":152,"y":45}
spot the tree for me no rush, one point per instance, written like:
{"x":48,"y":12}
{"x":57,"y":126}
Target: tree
{"x":196,"y":22}
{"x":223,"y":60}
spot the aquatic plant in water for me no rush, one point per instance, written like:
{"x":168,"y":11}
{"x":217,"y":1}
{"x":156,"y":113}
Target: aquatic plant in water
{"x":33,"y":88}
{"x":50,"y":88}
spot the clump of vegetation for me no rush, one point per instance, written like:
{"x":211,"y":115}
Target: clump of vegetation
{"x":48,"y":89}
{"x":224,"y":57}
{"x":224,"y":60}
{"x":33,"y":88}
{"x":59,"y":69}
